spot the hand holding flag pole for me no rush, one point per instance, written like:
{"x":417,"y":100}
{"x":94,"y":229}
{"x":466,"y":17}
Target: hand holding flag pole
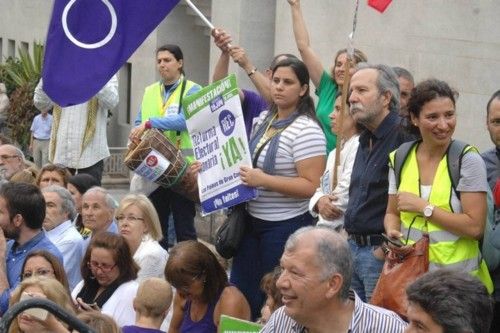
{"x":345,"y":92}
{"x":203,"y":18}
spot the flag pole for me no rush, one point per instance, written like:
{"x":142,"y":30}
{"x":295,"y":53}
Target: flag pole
{"x":200,"y":14}
{"x":345,"y":92}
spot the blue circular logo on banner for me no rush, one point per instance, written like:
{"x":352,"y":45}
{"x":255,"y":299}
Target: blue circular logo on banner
{"x":227,"y":122}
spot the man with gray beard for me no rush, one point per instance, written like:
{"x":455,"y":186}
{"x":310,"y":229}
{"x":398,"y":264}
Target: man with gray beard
{"x":374,"y":103}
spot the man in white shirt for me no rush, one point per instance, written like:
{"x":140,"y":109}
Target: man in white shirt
{"x":98,"y":212}
{"x":316,"y":271}
{"x":40,"y":136}
{"x":78,"y":139}
{"x":60,"y":210}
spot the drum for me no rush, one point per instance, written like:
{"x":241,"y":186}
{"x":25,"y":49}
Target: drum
{"x":156,"y":159}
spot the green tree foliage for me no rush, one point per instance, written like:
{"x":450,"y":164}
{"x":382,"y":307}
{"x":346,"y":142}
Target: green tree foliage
{"x":21,"y":76}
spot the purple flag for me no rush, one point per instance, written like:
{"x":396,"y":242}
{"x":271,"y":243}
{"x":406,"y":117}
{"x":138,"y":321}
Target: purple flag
{"x":88,"y":42}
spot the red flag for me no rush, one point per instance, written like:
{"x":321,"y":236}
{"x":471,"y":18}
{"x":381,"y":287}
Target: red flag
{"x":379,"y":5}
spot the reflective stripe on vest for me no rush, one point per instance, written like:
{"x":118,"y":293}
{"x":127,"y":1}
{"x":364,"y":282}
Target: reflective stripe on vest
{"x":445,"y":248}
{"x":153,"y":106}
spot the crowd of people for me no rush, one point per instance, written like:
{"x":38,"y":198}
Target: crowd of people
{"x":341,"y":183}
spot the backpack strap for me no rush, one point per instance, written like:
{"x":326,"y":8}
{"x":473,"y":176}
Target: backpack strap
{"x":456,"y":150}
{"x":400,"y":157}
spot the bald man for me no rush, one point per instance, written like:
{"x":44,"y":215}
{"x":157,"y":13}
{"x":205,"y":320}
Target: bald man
{"x":11,"y":161}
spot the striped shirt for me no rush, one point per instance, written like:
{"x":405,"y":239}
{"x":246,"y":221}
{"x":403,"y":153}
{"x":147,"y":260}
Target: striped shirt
{"x":366,"y":318}
{"x":301,"y":140}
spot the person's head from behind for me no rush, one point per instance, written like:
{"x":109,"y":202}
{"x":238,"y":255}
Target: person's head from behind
{"x":22,"y":207}
{"x":59,"y":206}
{"x":277,"y":58}
{"x":137,"y":218}
{"x":373,"y":93}
{"x":273,"y":295}
{"x":194,"y":271}
{"x":153,"y":299}
{"x":170,"y":63}
{"x":38,"y":287}
{"x":493,"y":118}
{"x":44,"y":263}
{"x":338,"y":68}
{"x":98,"y":209}
{"x":11,"y":160}
{"x":53,"y":174}
{"x":78,"y":185}
{"x":108,"y":259}
{"x":99,"y":322}
{"x":406,"y":85}
{"x":27,"y":175}
{"x":448,"y":301}
{"x":316,"y":271}
{"x":290,"y":87}
{"x":432,"y":111}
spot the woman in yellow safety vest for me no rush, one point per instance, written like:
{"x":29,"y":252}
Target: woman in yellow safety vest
{"x":425,"y":200}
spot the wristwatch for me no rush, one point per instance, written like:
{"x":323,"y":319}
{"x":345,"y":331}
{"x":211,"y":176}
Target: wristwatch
{"x":428,"y":210}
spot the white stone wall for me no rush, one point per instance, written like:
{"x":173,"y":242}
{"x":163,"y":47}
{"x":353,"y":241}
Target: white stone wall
{"x":453,"y":40}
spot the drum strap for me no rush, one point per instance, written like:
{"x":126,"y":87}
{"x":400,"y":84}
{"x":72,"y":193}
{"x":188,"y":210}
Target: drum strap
{"x":178,"y":133}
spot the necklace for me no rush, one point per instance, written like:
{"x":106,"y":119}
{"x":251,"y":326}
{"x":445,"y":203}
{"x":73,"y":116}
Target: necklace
{"x":267,"y":133}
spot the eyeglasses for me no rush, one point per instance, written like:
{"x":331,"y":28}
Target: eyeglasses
{"x":105,"y":268}
{"x":38,"y":272}
{"x":6,"y":157}
{"x":129,"y":218}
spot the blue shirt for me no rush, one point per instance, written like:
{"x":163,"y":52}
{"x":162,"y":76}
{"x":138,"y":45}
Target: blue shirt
{"x":70,"y":243}
{"x":41,"y":127}
{"x":112,"y":228}
{"x":369,"y":180}
{"x":172,"y":122}
{"x":15,"y":256}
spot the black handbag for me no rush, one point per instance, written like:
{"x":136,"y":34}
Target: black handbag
{"x":230,"y":233}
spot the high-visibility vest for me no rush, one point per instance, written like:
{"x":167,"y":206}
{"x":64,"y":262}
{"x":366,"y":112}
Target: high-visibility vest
{"x":445,"y":248}
{"x":153,"y":106}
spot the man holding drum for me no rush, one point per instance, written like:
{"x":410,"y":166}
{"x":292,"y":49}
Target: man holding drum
{"x":161,"y":108}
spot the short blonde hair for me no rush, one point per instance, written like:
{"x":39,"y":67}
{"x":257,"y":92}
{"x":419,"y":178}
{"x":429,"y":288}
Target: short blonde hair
{"x":51,"y":288}
{"x":151,"y":218}
{"x":153,"y":298}
{"x":99,"y":322}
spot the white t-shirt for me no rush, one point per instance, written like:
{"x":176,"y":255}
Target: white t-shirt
{"x":301,"y":140}
{"x":120,"y":305}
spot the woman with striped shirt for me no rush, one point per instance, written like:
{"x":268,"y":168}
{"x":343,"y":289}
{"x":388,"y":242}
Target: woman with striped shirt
{"x":291,"y":151}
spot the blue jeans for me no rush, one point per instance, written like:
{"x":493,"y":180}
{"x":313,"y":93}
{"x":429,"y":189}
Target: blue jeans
{"x":259,"y":253}
{"x":183,"y":212}
{"x":367,"y":269}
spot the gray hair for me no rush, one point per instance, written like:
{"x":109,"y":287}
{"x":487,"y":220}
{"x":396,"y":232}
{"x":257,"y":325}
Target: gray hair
{"x":17,"y":151}
{"x":332,"y":252}
{"x":110,"y":201}
{"x":67,"y":204}
{"x":456,"y":301}
{"x":404,"y":73}
{"x":387,"y":81}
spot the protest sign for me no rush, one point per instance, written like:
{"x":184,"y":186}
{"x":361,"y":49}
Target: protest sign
{"x":234,"y":325}
{"x":215,"y":123}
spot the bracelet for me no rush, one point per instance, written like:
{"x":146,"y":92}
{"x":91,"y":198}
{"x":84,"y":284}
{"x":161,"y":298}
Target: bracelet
{"x":252,"y":72}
